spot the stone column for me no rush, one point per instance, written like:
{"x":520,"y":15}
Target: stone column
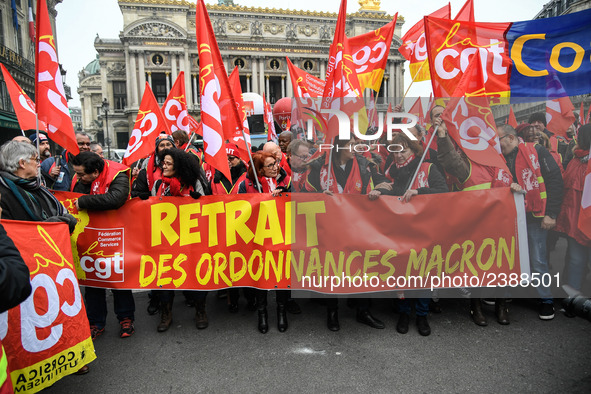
{"x":195,"y":90}
{"x":255,"y":86}
{"x":167,"y":83}
{"x":142,"y":63}
{"x":322,"y":69}
{"x":392,"y":91}
{"x":150,"y":78}
{"x":128,"y":75}
{"x":385,"y":88}
{"x":282,"y":86}
{"x":266,"y":85}
{"x":174,"y":70}
{"x":262,"y":76}
{"x":248,"y":89}
{"x":187,"y":69}
{"x":133,"y":75}
{"x":400,"y":79}
{"x":289,"y":85}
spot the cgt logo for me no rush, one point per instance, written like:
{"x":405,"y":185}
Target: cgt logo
{"x":103,"y":260}
{"x":103,"y":268}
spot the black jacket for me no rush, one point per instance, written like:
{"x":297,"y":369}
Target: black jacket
{"x":402,"y":177}
{"x":367,"y":170}
{"x":31,"y":203}
{"x":114,"y":198}
{"x":15,"y":283}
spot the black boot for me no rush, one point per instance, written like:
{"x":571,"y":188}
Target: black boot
{"x":365,"y":317}
{"x":423,"y":326}
{"x":165,"y":317}
{"x":476,"y":312}
{"x":200,"y":316}
{"x":502,"y":311}
{"x":281,"y":318}
{"x":332,"y":319}
{"x":153,"y":305}
{"x":263,"y":321}
{"x":402,"y":326}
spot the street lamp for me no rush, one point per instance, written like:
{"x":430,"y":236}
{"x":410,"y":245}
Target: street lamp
{"x":105,"y":107}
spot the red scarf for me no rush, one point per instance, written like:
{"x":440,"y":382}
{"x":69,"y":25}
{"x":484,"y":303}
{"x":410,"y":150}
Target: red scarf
{"x":353,"y":185}
{"x":174,"y":187}
{"x":527,"y":170}
{"x":101,"y":184}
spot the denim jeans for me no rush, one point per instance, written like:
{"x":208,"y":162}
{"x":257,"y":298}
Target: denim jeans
{"x":96,"y":305}
{"x":538,"y":260}
{"x":167,"y":296}
{"x":578,"y":258}
{"x":421,"y":306}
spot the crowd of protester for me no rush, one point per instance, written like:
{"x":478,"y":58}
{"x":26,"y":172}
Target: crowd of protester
{"x":548,"y":169}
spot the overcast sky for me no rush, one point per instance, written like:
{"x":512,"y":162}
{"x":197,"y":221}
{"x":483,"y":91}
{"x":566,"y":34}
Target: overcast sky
{"x":79,"y":21}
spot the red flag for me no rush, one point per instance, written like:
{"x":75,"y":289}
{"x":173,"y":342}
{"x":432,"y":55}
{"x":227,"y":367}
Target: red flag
{"x":268,"y":117}
{"x":588,"y":114}
{"x":370,"y":54}
{"x":24,"y":107}
{"x":417,"y":110}
{"x":218,"y":106}
{"x":414,"y":46}
{"x":148,"y":124}
{"x":342,"y":91}
{"x":470,"y":121}
{"x":31,"y":23}
{"x":304,"y":84}
{"x":511,"y":120}
{"x":238,"y":138}
{"x":559,"y":115}
{"x":453,"y":45}
{"x":582,"y":115}
{"x":52,"y":106}
{"x":175,"y":110}
{"x":466,"y":13}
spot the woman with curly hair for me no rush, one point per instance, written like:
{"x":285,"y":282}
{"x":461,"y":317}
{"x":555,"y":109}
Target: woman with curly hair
{"x":181,"y":177}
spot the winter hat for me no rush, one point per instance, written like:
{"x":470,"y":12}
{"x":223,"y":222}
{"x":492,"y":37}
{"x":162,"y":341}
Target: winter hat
{"x":232,"y":150}
{"x":42,"y":138}
{"x":163,"y":137}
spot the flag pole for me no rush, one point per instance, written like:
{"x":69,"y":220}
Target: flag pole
{"x":411,"y":82}
{"x":37,"y":140}
{"x":256,"y":177}
{"x":328,"y":174}
{"x":190,"y":142}
{"x":422,"y":159}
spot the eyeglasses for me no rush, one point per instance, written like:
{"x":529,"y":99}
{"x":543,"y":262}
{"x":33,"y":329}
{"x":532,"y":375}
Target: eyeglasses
{"x":506,"y":135}
{"x":302,"y":157}
{"x":38,"y":160}
{"x":167,"y":163}
{"x":232,"y":158}
{"x":271,"y":165}
{"x":83,"y":143}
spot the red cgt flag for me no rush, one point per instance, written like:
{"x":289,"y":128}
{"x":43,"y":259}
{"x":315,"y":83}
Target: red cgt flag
{"x":52,"y":106}
{"x":218,"y":106}
{"x":24,"y":107}
{"x":175,"y":110}
{"x":342,"y":91}
{"x":370,"y":54}
{"x":582,"y":114}
{"x":414,"y":46}
{"x":470,"y":121}
{"x":268,"y":117}
{"x":559,"y":115}
{"x":238,"y":138}
{"x":148,"y":125}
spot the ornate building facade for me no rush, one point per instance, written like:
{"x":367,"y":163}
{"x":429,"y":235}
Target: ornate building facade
{"x":158,"y":42}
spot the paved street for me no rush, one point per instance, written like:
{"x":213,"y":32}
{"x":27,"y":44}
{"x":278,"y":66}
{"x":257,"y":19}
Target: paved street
{"x":529,"y":355}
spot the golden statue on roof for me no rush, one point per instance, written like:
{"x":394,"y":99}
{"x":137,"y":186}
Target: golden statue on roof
{"x":369,"y":5}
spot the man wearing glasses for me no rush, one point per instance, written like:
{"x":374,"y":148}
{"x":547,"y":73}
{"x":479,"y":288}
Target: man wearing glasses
{"x":62,"y":172}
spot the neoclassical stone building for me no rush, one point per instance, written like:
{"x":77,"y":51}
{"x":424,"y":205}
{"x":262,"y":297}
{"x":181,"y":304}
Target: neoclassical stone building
{"x":158,"y":41}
